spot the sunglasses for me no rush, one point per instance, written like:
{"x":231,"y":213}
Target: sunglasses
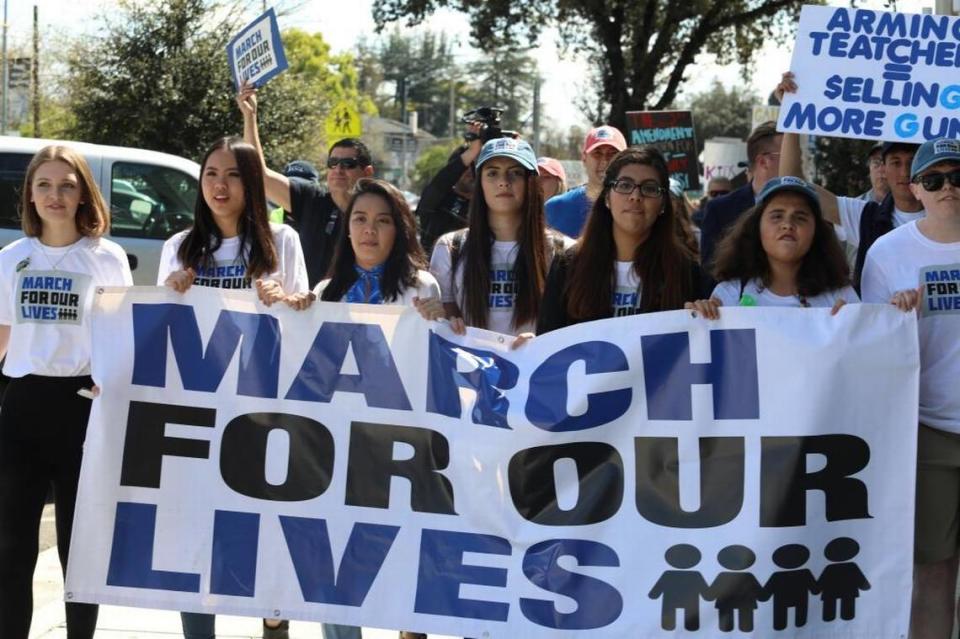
{"x":717,"y":193}
{"x":627,"y":187}
{"x":345,"y":163}
{"x":934,"y":181}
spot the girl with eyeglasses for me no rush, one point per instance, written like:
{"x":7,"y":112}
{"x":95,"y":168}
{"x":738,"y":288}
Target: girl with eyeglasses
{"x":492,"y":273}
{"x":630,"y":258}
{"x":47,"y":285}
{"x":782,"y":252}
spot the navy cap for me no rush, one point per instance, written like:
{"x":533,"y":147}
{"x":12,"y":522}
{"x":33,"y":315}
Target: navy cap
{"x":301,"y":169}
{"x":519,"y":150}
{"x":933,"y":152}
{"x":886,"y":147}
{"x":793,"y":184}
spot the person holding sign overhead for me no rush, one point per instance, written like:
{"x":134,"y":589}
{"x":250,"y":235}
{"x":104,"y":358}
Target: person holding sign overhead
{"x":48,"y":281}
{"x":317,"y":213}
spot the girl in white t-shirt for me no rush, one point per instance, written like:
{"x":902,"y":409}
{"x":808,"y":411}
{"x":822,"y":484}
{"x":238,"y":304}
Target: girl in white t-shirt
{"x":47,"y":284}
{"x":780,"y":253}
{"x":492,"y":273}
{"x":632,"y":256}
{"x":232,"y":245}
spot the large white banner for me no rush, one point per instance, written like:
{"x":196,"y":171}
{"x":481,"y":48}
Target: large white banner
{"x":874,"y":75}
{"x":633,"y":477}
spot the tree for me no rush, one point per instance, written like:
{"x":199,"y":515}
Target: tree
{"x":721,"y":112}
{"x":429,"y":164}
{"x":158,"y":79}
{"x":842,"y":165}
{"x":504,"y":78}
{"x":642,"y":48}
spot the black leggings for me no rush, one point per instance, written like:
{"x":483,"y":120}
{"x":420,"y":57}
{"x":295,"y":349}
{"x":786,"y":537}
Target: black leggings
{"x":42,"y":426}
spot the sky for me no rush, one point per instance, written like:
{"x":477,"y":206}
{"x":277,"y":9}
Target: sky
{"x":343,"y":23}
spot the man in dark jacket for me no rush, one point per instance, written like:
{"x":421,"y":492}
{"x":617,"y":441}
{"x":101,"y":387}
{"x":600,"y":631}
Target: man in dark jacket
{"x":763,"y":158}
{"x":445,"y":199}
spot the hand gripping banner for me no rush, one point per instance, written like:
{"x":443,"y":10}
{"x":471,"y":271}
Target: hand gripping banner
{"x":634,"y":477}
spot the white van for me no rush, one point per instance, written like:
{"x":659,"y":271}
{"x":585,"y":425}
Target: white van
{"x":151,"y":195}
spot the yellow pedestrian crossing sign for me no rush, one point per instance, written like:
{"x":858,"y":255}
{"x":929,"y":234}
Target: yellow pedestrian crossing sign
{"x":343,"y":122}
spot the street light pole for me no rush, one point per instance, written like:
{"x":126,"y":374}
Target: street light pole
{"x":6,"y":74}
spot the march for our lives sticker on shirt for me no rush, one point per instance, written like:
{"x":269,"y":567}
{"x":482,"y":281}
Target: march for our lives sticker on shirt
{"x":625,"y":302}
{"x":223,"y":275}
{"x":51,"y":297}
{"x":502,"y":286}
{"x":941,"y":289}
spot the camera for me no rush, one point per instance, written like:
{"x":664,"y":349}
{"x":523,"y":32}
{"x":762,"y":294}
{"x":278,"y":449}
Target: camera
{"x":489,"y":120}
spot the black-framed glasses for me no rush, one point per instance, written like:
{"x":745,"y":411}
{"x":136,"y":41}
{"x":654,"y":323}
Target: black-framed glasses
{"x":647,"y":189}
{"x":345,"y":163}
{"x":934,"y":181}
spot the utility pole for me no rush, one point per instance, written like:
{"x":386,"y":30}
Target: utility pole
{"x":536,"y":114}
{"x":453,"y":104}
{"x":6,"y":74}
{"x":35,"y":75}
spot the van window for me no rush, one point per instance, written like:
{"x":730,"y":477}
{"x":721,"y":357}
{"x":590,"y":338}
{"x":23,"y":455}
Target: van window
{"x":150,"y":201}
{"x":13,"y":168}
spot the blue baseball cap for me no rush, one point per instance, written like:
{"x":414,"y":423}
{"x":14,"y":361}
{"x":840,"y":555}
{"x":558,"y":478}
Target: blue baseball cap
{"x":790,"y":183}
{"x":933,"y":152}
{"x":519,"y":150}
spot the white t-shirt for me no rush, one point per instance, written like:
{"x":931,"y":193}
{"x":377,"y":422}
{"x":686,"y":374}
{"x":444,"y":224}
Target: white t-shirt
{"x":904,"y":259}
{"x":503,"y":255}
{"x":851,"y":210}
{"x":46,"y":296}
{"x":729,"y":295}
{"x":426,"y":288}
{"x":228,"y":270}
{"x":627,"y":290}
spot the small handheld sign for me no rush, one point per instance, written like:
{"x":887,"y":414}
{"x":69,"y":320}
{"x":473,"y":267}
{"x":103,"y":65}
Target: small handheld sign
{"x":255,"y":55}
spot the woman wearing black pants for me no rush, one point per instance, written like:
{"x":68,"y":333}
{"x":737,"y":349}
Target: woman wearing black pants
{"x":47,"y":284}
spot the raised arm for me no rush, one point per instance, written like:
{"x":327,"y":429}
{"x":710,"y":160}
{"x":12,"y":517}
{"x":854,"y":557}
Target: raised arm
{"x":277,"y":185}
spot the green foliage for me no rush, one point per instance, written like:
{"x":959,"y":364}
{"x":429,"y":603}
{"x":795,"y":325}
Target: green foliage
{"x":721,"y":112}
{"x":642,"y":49}
{"x":504,"y":78}
{"x":842,"y":165}
{"x":429,"y":164}
{"x":158,"y":79}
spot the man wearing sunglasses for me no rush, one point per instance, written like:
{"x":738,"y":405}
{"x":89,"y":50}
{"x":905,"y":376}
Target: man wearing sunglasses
{"x":315,"y":212}
{"x":917,"y":267}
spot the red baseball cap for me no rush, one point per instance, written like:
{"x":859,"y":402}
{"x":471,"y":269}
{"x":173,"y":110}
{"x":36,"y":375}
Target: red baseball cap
{"x":604,"y":135}
{"x":552,"y":167}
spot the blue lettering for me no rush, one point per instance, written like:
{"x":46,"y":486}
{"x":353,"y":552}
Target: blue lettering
{"x":258,"y":336}
{"x":489,"y":379}
{"x":598,"y":603}
{"x":906,"y":125}
{"x":377,"y":377}
{"x":834,"y":87}
{"x":840,"y":20}
{"x":732,"y":372}
{"x":801,"y":116}
{"x":950,"y":96}
{"x":363,"y":557}
{"x":131,"y":554}
{"x":547,"y":402}
{"x":818,"y":38}
{"x":233,"y":567}
{"x":442,"y":571}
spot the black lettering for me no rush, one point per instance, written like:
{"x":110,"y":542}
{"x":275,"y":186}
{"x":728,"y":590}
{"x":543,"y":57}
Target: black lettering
{"x":145,"y":443}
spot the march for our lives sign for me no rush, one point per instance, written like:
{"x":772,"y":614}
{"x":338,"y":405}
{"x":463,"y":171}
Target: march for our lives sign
{"x":256,"y":54}
{"x":875,"y":75}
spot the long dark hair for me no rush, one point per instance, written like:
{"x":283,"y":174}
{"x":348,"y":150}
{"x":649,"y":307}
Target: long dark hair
{"x":406,"y":256}
{"x":253,"y":227}
{"x":740,"y":256}
{"x":663,"y":263}
{"x":530,"y":269}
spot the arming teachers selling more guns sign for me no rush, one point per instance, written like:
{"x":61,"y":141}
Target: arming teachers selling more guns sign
{"x":875,"y":75}
{"x":631,"y":477}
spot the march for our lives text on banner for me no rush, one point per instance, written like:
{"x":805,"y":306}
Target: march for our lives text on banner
{"x":255,"y":55}
{"x":355,"y":464}
{"x":875,"y":75}
{"x":672,"y":133}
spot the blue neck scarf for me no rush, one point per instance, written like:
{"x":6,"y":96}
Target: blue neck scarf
{"x":366,"y":290}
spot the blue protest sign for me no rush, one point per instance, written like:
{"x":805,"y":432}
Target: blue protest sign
{"x":255,"y":55}
{"x":874,"y":75}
